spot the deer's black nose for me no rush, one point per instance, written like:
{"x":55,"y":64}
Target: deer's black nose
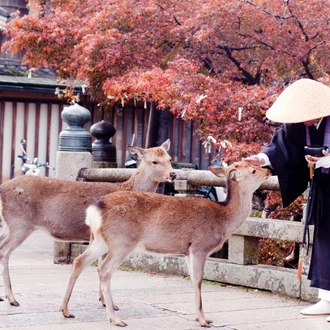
{"x":172,"y":175}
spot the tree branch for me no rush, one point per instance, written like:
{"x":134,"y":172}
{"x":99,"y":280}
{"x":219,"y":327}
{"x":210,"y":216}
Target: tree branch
{"x":176,"y":21}
{"x":306,"y":62}
{"x":301,"y":27}
{"x":256,"y":40}
{"x":250,"y":78}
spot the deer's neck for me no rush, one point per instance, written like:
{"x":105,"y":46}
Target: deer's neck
{"x":139,"y":182}
{"x":238,"y":204}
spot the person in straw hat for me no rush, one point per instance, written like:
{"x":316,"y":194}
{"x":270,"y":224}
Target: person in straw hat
{"x":304,"y":110}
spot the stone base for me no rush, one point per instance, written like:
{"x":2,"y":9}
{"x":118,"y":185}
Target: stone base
{"x":68,"y":164}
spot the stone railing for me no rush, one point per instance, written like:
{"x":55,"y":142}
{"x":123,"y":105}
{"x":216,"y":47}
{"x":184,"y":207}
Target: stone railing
{"x":241,"y":267}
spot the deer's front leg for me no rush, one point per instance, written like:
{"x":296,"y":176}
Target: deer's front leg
{"x":9,"y":243}
{"x":196,"y":266}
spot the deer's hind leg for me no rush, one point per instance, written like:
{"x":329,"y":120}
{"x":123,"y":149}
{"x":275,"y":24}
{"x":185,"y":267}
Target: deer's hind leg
{"x":101,"y":298}
{"x":96,"y":249}
{"x":110,"y":263}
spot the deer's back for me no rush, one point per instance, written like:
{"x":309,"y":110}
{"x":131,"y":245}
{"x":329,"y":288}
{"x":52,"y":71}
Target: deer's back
{"x":55,"y":205}
{"x":147,"y":208}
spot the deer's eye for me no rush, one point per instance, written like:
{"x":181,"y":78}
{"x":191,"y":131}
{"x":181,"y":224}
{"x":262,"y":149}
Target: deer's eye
{"x":254,"y":172}
{"x":154,"y":162}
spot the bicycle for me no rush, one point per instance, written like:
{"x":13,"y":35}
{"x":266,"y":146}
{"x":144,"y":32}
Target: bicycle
{"x":30,"y":167}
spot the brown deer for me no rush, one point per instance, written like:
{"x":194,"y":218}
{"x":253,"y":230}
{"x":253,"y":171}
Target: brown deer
{"x":59,"y":206}
{"x":193,"y":227}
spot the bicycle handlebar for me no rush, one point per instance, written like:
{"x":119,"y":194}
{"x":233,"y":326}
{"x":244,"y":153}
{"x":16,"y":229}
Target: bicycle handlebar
{"x":46,"y":165}
{"x":24,"y":158}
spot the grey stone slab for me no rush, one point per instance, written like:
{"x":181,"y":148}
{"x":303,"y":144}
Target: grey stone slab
{"x":315,"y":323}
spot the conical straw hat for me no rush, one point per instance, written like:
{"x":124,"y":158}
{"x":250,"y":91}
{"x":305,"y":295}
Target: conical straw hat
{"x":302,"y":101}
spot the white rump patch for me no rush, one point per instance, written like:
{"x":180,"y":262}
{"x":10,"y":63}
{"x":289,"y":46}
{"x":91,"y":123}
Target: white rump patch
{"x":93,"y":218}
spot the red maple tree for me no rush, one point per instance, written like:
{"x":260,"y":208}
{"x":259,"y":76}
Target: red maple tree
{"x":201,"y":59}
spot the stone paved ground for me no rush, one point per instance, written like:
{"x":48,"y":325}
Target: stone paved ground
{"x":146,"y":301}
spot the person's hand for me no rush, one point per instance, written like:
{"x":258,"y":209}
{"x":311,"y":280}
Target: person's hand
{"x":325,"y":153}
{"x":254,"y":160}
{"x":317,"y":162}
{"x":311,"y":160}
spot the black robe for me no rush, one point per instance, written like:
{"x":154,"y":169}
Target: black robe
{"x":287,"y":158}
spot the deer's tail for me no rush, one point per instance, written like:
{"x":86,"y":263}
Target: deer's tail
{"x":94,"y":216}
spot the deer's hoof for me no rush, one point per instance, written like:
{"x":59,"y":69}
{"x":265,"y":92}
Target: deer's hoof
{"x":119,"y":323}
{"x":204,"y":324}
{"x":14,"y":303}
{"x":67,"y":314}
{"x":115,"y":307}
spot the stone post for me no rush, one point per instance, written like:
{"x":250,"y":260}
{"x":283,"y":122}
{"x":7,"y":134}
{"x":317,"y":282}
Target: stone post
{"x":185,"y":189}
{"x":74,"y":153}
{"x":104,"y":152}
{"x":243,"y":250}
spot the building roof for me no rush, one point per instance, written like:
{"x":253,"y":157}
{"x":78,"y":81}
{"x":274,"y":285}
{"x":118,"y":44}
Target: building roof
{"x":14,"y":76}
{"x":44,"y":84}
{"x":11,"y":66}
{"x":43,"y":81}
{"x":4,"y":13}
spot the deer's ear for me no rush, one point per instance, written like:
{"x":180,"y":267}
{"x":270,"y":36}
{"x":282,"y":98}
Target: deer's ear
{"x":234,"y":175}
{"x":136,"y":152}
{"x":166,"y":145}
{"x":217,"y":170}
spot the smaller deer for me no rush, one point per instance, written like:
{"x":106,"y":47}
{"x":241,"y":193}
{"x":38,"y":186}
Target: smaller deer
{"x":28,"y":203}
{"x":193,"y":227}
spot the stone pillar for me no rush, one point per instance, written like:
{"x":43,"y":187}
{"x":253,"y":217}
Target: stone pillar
{"x":243,"y":250}
{"x":185,"y":189}
{"x":74,"y":153}
{"x":104,"y":152}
